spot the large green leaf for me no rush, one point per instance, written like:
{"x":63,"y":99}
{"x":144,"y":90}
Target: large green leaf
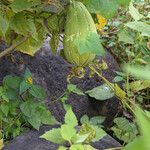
{"x":12,"y":81}
{"x":141,"y":142}
{"x":67,"y":132}
{"x":31,"y":46}
{"x":139,"y":71}
{"x":21,"y":25}
{"x":34,"y":121}
{"x":28,"y":108}
{"x":54,"y":136}
{"x":135,"y":13}
{"x":4,"y":24}
{"x":91,"y":43}
{"x":123,"y":2}
{"x":106,"y":8}
{"x":102,"y":92}
{"x":70,"y":118}
{"x":20,"y":5}
{"x":38,"y":92}
{"x":126,"y":37}
{"x":139,"y":26}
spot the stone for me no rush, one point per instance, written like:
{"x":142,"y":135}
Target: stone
{"x":31,"y":141}
{"x":51,"y":72}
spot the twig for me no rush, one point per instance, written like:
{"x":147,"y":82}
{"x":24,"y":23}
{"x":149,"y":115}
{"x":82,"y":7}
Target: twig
{"x":13,"y":46}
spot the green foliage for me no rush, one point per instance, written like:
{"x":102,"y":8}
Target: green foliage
{"x":102,"y":92}
{"x":22,"y":103}
{"x":142,"y":141}
{"x":77,"y":137}
{"x":124,"y":130}
{"x":91,"y":43}
{"x":107,"y":8}
{"x":73,"y":88}
{"x":96,"y":121}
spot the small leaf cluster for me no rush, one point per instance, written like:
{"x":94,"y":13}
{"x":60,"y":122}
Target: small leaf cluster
{"x":71,"y":136}
{"x":22,"y":105}
{"x":124,"y":130}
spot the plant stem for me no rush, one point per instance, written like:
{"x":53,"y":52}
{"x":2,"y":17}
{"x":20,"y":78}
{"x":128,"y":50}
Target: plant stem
{"x":112,"y":87}
{"x":23,"y":39}
{"x":13,"y":46}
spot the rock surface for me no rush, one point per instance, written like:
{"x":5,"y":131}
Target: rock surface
{"x":31,"y":141}
{"x":50,"y":72}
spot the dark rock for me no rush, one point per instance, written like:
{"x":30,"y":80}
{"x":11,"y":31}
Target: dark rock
{"x":31,"y":141}
{"x":51,"y":71}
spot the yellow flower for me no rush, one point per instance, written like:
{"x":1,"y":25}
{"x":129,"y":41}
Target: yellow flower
{"x":30,"y":80}
{"x":101,"y":22}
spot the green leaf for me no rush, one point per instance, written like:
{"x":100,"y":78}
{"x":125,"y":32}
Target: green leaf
{"x":28,"y":108}
{"x":124,"y":130}
{"x":84,"y":119}
{"x":31,"y":46}
{"x":4,"y":24}
{"x":4,"y":108}
{"x":139,"y":26}
{"x":73,"y":88}
{"x":139,"y":71}
{"x":38,"y":92}
{"x":141,"y":142}
{"x":45,"y":115}
{"x":134,"y":12}
{"x":24,"y":86}
{"x":107,"y":8}
{"x":27,"y":74}
{"x":20,"y":5}
{"x":70,"y":118}
{"x":91,"y":43}
{"x":35,"y":121}
{"x":77,"y":147}
{"x":123,"y":2}
{"x":54,"y":136}
{"x":62,"y":148}
{"x":117,"y":79}
{"x":97,"y":120}
{"x":100,"y":133}
{"x":126,"y":37}
{"x":22,"y":25}
{"x":12,"y":81}
{"x":54,"y":42}
{"x":67,"y":132}
{"x":102,"y":92}
{"x":88,"y":147}
{"x":80,"y":138}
